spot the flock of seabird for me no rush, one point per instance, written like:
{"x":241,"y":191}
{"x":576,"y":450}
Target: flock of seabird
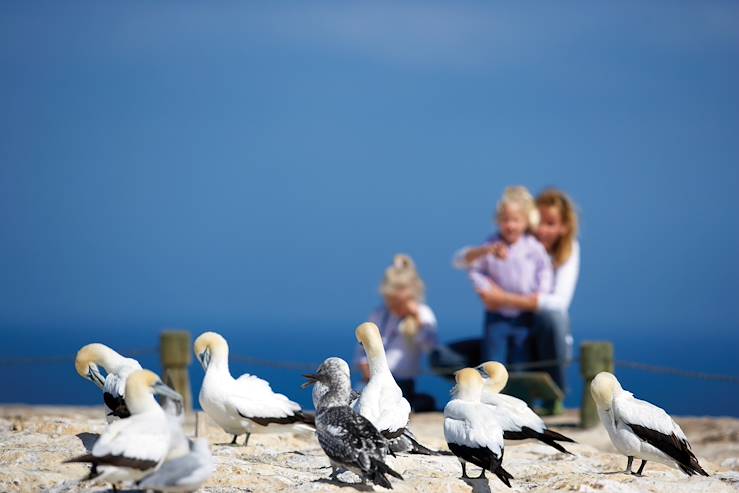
{"x":144,"y":444}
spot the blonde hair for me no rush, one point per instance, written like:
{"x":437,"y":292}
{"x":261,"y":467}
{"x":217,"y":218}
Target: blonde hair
{"x":568,"y":212}
{"x":400,"y":274}
{"x":520,"y":197}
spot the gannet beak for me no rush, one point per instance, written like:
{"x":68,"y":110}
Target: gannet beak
{"x":204,"y":358}
{"x":168,"y":392}
{"x":482,"y":372}
{"x":312,"y":379}
{"x":94,"y":375}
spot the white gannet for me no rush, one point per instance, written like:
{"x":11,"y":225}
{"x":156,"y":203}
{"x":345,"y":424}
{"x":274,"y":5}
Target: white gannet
{"x":133,"y":447}
{"x":471,"y":428}
{"x":640,"y":429}
{"x":518,"y":421}
{"x":117,"y":368}
{"x":349,"y":440}
{"x":381,"y":400}
{"x":232,"y":403}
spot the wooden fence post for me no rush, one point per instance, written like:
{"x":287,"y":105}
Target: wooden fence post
{"x":595,"y":357}
{"x":176,"y":357}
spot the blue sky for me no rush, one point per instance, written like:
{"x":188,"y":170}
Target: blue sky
{"x":206,"y":166}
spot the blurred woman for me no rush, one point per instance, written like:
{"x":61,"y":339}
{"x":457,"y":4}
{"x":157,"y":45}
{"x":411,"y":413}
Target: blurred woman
{"x":407,"y":325}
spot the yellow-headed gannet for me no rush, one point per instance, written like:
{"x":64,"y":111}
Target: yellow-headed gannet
{"x":133,"y":447}
{"x":518,"y":421}
{"x":349,"y":440}
{"x":232,"y":403}
{"x":381,"y":400}
{"x":640,"y":429}
{"x":117,"y":368}
{"x":471,"y":428}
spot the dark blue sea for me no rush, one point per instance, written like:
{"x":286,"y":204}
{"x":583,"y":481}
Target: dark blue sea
{"x":48,"y":375}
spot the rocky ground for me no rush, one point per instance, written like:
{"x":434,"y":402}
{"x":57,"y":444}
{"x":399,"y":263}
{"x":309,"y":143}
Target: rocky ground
{"x":35,"y":440}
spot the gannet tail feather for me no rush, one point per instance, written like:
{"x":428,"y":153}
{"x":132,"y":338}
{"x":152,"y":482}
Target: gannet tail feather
{"x":114,"y":460}
{"x":417,"y":448}
{"x":548,"y":437}
{"x":377,"y":473}
{"x":558,"y":436}
{"x":298,"y":417}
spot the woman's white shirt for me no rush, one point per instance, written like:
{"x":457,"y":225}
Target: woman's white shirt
{"x":565,"y":281}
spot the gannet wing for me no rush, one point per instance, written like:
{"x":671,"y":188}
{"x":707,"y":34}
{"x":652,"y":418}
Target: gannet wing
{"x":254,"y":399}
{"x":472,"y":426}
{"x":350,"y":439}
{"x":134,"y":442}
{"x":513,"y":414}
{"x":654,"y":426}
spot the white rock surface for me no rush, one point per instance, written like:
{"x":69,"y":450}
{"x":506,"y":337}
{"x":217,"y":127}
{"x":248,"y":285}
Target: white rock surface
{"x":35,"y":440}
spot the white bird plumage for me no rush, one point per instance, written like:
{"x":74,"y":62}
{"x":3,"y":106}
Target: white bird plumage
{"x":471,"y":428}
{"x":133,"y":447}
{"x":233,"y":403}
{"x":381,"y":400}
{"x":639,"y":429}
{"x":518,"y":421}
{"x":113,"y":384}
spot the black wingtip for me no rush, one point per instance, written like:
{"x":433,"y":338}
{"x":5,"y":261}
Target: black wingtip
{"x":504,"y":476}
{"x":557,"y":436}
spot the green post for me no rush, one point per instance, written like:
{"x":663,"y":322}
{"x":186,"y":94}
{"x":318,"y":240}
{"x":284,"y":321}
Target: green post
{"x":176,"y":358}
{"x":595,"y":357}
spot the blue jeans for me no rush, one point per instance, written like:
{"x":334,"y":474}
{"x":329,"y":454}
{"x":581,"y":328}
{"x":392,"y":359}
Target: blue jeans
{"x":552,"y":341}
{"x":508,"y":339}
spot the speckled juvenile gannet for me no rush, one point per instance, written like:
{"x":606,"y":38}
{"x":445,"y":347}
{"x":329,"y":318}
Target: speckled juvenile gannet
{"x":90,"y":358}
{"x":349,"y":440}
{"x":381,"y":400}
{"x":471,"y":428}
{"x":518,"y":421}
{"x":640,"y":429}
{"x":232,"y":403}
{"x":133,"y":447}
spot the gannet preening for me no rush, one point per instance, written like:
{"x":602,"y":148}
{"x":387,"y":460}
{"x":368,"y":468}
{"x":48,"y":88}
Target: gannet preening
{"x":117,"y":368}
{"x":471,"y":428}
{"x":640,"y":429}
{"x":518,"y":421}
{"x":349,"y":439}
{"x":381,"y":400}
{"x":131,"y":448}
{"x":232,"y":403}
{"x":185,"y":473}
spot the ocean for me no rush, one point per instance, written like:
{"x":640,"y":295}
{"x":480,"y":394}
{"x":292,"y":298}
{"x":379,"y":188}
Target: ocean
{"x":38,"y":365}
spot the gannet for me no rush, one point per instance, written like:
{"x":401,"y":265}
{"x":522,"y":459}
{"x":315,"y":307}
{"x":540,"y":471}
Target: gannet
{"x":133,"y":447}
{"x":232,"y":403}
{"x":518,"y":421}
{"x":185,"y":473}
{"x":471,"y":428}
{"x":640,"y":429}
{"x":381,"y":400}
{"x":349,"y":440}
{"x":117,"y":368}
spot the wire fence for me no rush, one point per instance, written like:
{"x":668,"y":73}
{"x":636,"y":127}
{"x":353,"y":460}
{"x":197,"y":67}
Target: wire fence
{"x":307,"y":366}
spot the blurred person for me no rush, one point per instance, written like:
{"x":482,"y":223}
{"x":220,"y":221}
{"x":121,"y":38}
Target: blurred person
{"x":408,"y":329}
{"x":512,"y":261}
{"x":557,"y":230}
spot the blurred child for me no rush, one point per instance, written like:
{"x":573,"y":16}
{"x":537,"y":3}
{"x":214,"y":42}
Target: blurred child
{"x":514,"y":261}
{"x":408,"y":328}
